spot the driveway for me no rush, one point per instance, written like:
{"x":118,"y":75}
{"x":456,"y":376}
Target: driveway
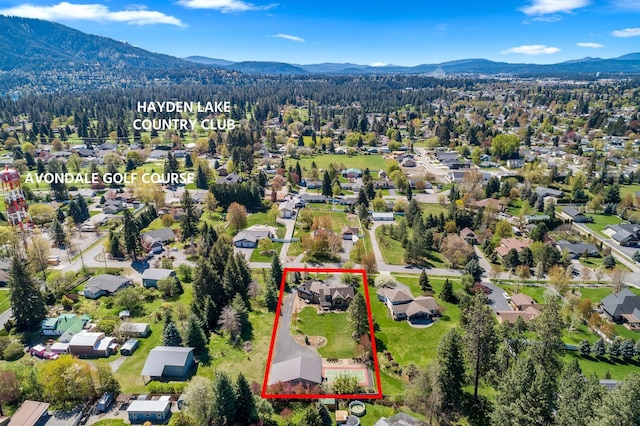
{"x":286,"y":348}
{"x":496,"y":299}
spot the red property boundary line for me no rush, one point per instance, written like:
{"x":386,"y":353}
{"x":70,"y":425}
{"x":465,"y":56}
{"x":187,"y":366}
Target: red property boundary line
{"x":376,"y":367}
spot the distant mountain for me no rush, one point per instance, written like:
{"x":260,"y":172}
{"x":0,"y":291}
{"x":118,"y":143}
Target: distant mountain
{"x":208,"y":61}
{"x":253,"y":67}
{"x":36,"y":44}
{"x":629,"y":57}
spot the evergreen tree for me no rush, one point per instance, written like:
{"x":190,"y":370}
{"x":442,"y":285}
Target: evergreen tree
{"x":620,"y":406}
{"x":171,"y":164}
{"x":325,"y":417}
{"x":627,"y":349}
{"x":27,"y":301}
{"x":271,"y":295}
{"x":60,"y":215}
{"x":447,"y":292}
{"x":480,"y":338}
{"x":578,"y":398}
{"x":425,"y":286}
{"x":585,"y":347}
{"x":224,"y":401}
{"x":474,"y":269}
{"x":114,"y":245}
{"x":189,"y":221}
{"x":451,"y":374}
{"x":131,"y":165}
{"x":246,"y":411}
{"x":599,"y":348}
{"x":276,"y":270}
{"x":171,"y":335}
{"x":131,"y":232}
{"x":311,"y":417}
{"x":83,"y":208}
{"x":194,"y":334}
{"x":208,"y":295}
{"x":240,"y":307}
{"x":327,"y":188}
{"x":188,"y":161}
{"x":358,"y":315}
{"x":202,"y":181}
{"x":57,"y":233}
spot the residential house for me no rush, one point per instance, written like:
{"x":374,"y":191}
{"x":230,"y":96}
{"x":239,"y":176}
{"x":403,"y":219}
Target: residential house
{"x":302,"y":370}
{"x":572,"y":214}
{"x":352,"y":173}
{"x":515,"y":164}
{"x":328,"y":295}
{"x":105,"y":285}
{"x":625,"y":234}
{"x":469,"y":236}
{"x":544,"y":192}
{"x":313,"y":198}
{"x":152,"y":411}
{"x":577,"y":250}
{"x":90,"y":344}
{"x":622,"y":308}
{"x":536,"y":218}
{"x":403,"y":306}
{"x":408,"y":162}
{"x":30,"y":413}
{"x":135,"y":329}
{"x":249,"y":238}
{"x":348,"y":233}
{"x":506,"y":244}
{"x":222,"y":171}
{"x":312,"y":184}
{"x":162,"y":236}
{"x":64,"y":323}
{"x":286,"y":210}
{"x":168,"y":363}
{"x":488,"y":203}
{"x":157,"y":154}
{"x":230,"y":179}
{"x":151,"y":276}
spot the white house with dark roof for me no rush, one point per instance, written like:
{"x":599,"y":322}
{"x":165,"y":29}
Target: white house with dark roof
{"x":90,"y":344}
{"x":249,"y":238}
{"x":155,"y":411}
{"x":403,"y":306}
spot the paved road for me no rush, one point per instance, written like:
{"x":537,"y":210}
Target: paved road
{"x":496,"y":299}
{"x":286,"y":348}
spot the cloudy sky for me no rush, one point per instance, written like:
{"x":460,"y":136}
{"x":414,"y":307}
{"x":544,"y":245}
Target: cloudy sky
{"x":408,"y":32}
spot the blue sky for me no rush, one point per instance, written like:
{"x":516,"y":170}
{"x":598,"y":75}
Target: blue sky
{"x":408,"y":32}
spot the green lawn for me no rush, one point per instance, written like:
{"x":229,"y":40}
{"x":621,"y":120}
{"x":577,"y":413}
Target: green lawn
{"x":4,"y":300}
{"x":602,"y":220}
{"x":374,"y":162}
{"x":433,"y":208}
{"x":257,"y":257}
{"x":110,"y":422}
{"x":406,"y":344}
{"x":392,"y":250}
{"x":600,"y":366}
{"x":629,"y":189}
{"x":537,"y":293}
{"x":334,"y":326}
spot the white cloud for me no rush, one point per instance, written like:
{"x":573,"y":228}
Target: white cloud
{"x":225,"y":6}
{"x":533,"y":49}
{"x":627,"y":32}
{"x":550,"y":18}
{"x":627,"y":4}
{"x":289,"y":37}
{"x":544,"y":7}
{"x":590,"y":45}
{"x":379,"y":64}
{"x":66,"y":11}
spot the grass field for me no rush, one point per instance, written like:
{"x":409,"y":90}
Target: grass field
{"x":374,"y":162}
{"x":602,"y":220}
{"x":629,"y":189}
{"x":4,"y":300}
{"x":618,"y":369}
{"x":110,"y":422}
{"x":392,"y":250}
{"x":334,"y":326}
{"x":433,"y":208}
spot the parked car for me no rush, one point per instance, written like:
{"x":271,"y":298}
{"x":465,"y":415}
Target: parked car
{"x":506,"y":296}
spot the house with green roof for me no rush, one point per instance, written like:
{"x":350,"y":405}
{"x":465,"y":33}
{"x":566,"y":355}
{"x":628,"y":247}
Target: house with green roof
{"x":66,"y":325}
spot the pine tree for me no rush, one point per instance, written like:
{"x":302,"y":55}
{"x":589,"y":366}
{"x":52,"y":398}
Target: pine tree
{"x":599,"y":348}
{"x":327,"y":189}
{"x":114,"y":245}
{"x":311,"y":417}
{"x":27,"y":301}
{"x":451,"y":374}
{"x":325,"y":417}
{"x":188,"y":161}
{"x":358,"y":315}
{"x":425,"y":286}
{"x":224,"y":401}
{"x":276,"y":270}
{"x":240,"y":307}
{"x":194,"y":334}
{"x":189,"y":221}
{"x":202,"y":181}
{"x":60,"y":215}
{"x":57,"y":233}
{"x":131,"y":232}
{"x":578,"y":397}
{"x":270,"y":295}
{"x":171,"y":336}
{"x":246,"y":411}
{"x":131,"y":165}
{"x":447,"y":292}
{"x":585,"y":347}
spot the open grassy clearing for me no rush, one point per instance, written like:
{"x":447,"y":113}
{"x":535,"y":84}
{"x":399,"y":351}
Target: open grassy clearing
{"x":4,"y":300}
{"x":392,"y":250}
{"x":334,"y":326}
{"x":374,"y":162}
{"x":433,"y":208}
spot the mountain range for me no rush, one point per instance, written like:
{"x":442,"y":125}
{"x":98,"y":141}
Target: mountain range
{"x":46,"y":56}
